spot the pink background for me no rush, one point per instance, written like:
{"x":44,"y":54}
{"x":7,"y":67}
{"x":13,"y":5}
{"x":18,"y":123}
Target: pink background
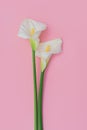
{"x":65,"y":89}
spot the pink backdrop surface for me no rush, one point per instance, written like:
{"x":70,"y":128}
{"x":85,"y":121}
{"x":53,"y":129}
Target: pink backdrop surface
{"x":65,"y":88}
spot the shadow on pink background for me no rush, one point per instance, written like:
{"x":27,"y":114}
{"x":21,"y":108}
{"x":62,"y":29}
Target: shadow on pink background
{"x":65,"y":89}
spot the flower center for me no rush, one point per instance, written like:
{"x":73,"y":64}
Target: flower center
{"x":48,"y":48}
{"x":32,"y":31}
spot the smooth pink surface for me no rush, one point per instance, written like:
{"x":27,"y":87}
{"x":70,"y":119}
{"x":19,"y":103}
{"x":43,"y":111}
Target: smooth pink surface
{"x":65,"y":88}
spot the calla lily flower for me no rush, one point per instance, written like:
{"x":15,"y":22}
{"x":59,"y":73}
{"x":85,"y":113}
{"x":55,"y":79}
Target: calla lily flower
{"x":31,"y":30}
{"x":47,"y":49}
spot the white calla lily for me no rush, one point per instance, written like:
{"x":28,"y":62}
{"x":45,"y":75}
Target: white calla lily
{"x":31,"y":30}
{"x":46,"y":49}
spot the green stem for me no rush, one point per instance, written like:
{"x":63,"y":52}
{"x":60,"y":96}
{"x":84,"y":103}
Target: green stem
{"x":40,"y":118}
{"x":35,"y":92}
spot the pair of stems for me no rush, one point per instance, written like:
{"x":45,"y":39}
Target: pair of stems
{"x":38,"y":123}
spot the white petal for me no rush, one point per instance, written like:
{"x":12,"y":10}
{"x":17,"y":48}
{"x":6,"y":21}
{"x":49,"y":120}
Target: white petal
{"x":26,"y":27}
{"x":42,"y":54}
{"x":55,"y":48}
{"x":44,"y":62}
{"x":36,"y":35}
{"x":24,"y":30}
{"x":37,"y":25}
